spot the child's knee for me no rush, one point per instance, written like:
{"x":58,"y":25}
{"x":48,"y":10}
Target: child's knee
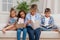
{"x":18,"y":30}
{"x":25,"y":30}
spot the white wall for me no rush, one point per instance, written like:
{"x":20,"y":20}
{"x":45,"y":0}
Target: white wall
{"x":53,"y":5}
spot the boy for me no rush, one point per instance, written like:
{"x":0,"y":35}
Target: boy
{"x":32,"y":18}
{"x":47,"y":21}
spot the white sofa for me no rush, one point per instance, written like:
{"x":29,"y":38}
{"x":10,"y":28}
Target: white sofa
{"x":45,"y":35}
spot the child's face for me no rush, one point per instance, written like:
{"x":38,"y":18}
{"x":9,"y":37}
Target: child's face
{"x":33,"y":11}
{"x":22,"y":14}
{"x":13,"y":14}
{"x":47,"y":14}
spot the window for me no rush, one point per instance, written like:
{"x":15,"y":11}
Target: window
{"x":6,"y":5}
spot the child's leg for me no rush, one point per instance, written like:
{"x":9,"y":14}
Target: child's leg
{"x":18,"y":34}
{"x":24,"y":33}
{"x":3,"y":30}
{"x":54,"y":28}
{"x":11,"y":27}
{"x":37,"y":33}
{"x":43,"y":29}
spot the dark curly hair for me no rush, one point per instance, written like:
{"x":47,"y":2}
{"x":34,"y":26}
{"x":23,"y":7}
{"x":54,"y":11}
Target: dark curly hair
{"x":19,"y":16}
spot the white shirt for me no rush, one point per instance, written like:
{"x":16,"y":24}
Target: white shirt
{"x":33,"y":18}
{"x":36,"y":23}
{"x":46,"y":21}
{"x":20,"y":21}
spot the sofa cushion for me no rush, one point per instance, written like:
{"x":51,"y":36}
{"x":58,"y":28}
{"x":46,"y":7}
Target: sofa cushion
{"x":44,"y":34}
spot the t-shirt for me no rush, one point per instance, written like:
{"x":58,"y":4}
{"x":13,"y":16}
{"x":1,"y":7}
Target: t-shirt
{"x":33,"y":18}
{"x":20,"y":21}
{"x":35,"y":23}
{"x":46,"y":21}
{"x":12,"y":20}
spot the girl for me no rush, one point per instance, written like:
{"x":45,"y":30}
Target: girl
{"x":11,"y":22}
{"x":47,"y":21}
{"x":21,"y":19}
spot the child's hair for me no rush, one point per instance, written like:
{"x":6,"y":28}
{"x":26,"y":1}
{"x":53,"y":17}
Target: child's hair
{"x":12,"y":9}
{"x":19,"y":16}
{"x":33,"y":6}
{"x":47,"y":10}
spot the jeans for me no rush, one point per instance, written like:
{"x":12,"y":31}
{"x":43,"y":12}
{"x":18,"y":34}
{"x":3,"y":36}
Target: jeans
{"x":19,"y":33}
{"x":33,"y":34}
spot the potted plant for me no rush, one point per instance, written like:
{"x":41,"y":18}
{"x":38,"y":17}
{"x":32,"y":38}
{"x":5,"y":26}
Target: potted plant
{"x":24,"y":6}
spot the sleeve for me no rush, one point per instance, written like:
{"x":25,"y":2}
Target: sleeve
{"x":52,"y":20}
{"x":26,"y":19}
{"x":15,"y":20}
{"x":18,"y":21}
{"x":40,"y":19}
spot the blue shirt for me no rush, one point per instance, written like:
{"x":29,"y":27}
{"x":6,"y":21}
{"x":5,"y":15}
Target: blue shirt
{"x":51,"y":21}
{"x":37,"y":17}
{"x":12,"y":20}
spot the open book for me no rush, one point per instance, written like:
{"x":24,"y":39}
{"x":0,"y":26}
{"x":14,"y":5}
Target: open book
{"x":36,"y":24}
{"x":20,"y":25}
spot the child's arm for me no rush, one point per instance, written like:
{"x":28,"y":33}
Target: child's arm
{"x":52,"y":22}
{"x":42,"y":23}
{"x":24,"y":25}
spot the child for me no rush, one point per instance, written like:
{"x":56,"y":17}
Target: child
{"x":11,"y":22}
{"x":33,"y":23}
{"x":21,"y":19}
{"x":47,"y":21}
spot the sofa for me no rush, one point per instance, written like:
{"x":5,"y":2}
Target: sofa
{"x":45,"y":35}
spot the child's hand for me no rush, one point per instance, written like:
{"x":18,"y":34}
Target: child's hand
{"x":24,"y":25}
{"x":29,"y":21}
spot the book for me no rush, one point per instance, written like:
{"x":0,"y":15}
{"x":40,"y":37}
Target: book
{"x":36,"y":24}
{"x":21,"y":25}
